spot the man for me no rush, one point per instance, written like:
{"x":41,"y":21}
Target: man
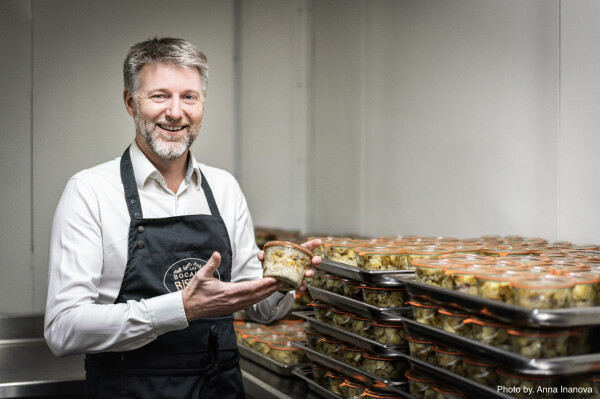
{"x":152,"y":252}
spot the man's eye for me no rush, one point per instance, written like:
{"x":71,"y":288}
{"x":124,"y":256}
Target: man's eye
{"x":189,"y":97}
{"x":159,"y":97}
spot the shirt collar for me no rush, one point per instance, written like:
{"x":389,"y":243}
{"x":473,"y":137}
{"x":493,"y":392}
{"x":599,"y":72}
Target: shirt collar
{"x":144,"y":169}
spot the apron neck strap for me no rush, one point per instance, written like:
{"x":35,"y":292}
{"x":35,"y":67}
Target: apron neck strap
{"x":132,"y":196}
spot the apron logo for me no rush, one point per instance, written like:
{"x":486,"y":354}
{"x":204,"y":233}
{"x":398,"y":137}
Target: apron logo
{"x":179,"y":274}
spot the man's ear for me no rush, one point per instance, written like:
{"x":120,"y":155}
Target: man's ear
{"x":129,"y":102}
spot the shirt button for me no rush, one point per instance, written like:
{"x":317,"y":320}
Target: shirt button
{"x":141,"y":229}
{"x":140,"y":244}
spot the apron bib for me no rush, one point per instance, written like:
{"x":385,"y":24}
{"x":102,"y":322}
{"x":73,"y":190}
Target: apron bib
{"x":198,"y":362}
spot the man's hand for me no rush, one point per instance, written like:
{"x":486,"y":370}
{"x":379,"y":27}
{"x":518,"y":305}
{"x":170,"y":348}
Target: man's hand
{"x":316,"y":260}
{"x":206,"y":296}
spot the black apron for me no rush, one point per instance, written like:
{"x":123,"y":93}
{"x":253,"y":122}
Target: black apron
{"x":198,"y":362}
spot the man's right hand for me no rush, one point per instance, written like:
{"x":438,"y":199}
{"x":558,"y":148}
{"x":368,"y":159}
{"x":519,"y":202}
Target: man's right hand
{"x":206,"y":296}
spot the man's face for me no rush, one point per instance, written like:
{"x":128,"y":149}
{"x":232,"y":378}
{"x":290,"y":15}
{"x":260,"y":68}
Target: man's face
{"x":168,"y":109}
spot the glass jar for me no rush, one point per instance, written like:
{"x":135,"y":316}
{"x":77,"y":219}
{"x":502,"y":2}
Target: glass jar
{"x":341,"y":252}
{"x":354,"y":390}
{"x":426,"y":314}
{"x":543,"y":292}
{"x":431,"y":271}
{"x":500,"y":251}
{"x":286,"y":262}
{"x":313,"y":339}
{"x":420,"y":386}
{"x":491,"y":333}
{"x":319,"y":374}
{"x":585,"y":291}
{"x":495,"y":285}
{"x":384,"y":297}
{"x":380,"y":258}
{"x":388,"y":333}
{"x":334,"y":381}
{"x":322,"y":311}
{"x":318,"y":280}
{"x":332,"y":284}
{"x":352,"y":355}
{"x":480,"y":371}
{"x":428,"y":252}
{"x":454,"y":322}
{"x":449,"y":360}
{"x":340,"y":319}
{"x":351,"y":289}
{"x":331,"y":348}
{"x":286,"y":353}
{"x":463,"y":279}
{"x":361,"y":326}
{"x":388,"y":368}
{"x":421,"y":349}
{"x":540,"y":344}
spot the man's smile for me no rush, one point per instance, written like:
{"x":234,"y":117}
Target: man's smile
{"x":171,"y":128}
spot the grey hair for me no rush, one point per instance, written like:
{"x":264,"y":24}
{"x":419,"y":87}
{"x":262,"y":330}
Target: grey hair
{"x":167,"y":50}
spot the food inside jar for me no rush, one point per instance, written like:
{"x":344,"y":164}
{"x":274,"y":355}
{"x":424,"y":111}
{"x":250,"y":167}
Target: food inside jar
{"x":286,"y":262}
{"x":389,"y":334}
{"x":384,"y":297}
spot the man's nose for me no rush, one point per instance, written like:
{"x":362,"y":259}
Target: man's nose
{"x":174,"y":108}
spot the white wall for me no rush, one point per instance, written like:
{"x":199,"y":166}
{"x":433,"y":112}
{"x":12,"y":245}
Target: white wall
{"x":429,"y":117}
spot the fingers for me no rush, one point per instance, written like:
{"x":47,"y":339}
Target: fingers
{"x":211,"y":266}
{"x":316,"y":261}
{"x":261,"y":256}
{"x":312,"y":244}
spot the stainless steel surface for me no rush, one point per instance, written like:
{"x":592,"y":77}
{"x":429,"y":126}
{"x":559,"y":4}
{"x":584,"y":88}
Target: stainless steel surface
{"x":568,"y":365}
{"x":364,"y":276}
{"x":356,"y":340}
{"x":261,"y":383}
{"x":465,"y":385}
{"x":358,"y":307}
{"x":267,"y":362}
{"x":347,"y":370}
{"x":31,"y":369}
{"x":21,"y":328}
{"x":305,"y":373}
{"x":570,"y":317}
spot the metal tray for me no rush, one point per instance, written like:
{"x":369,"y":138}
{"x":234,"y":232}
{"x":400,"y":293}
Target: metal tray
{"x":305,"y":373}
{"x":358,"y":307}
{"x":356,"y":340}
{"x":404,"y":391}
{"x":267,"y":362}
{"x":465,"y":385}
{"x":567,"y":365}
{"x":363,"y":275}
{"x":570,"y":317}
{"x":349,"y":371}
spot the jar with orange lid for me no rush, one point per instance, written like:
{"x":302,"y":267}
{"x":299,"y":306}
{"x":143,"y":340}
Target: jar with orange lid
{"x":463,"y":279}
{"x":361,"y":326}
{"x":352,"y":355}
{"x":388,"y":368}
{"x":331,"y":347}
{"x":376,"y":394}
{"x":543,"y":291}
{"x":388,"y":332}
{"x":334,"y":380}
{"x":480,"y":371}
{"x":384,"y":296}
{"x":351,"y":289}
{"x":431,"y":271}
{"x":249,"y":336}
{"x":341,"y":252}
{"x":540,"y":344}
{"x":450,"y":360}
{"x":495,"y":252}
{"x":521,"y":385}
{"x":332,"y":283}
{"x":491,"y":333}
{"x":444,"y":392}
{"x":322,"y":311}
{"x":586,"y":290}
{"x":464,"y":257}
{"x":585,"y":386}
{"x":421,"y":348}
{"x":319,"y":373}
{"x":419,"y":385}
{"x":313,"y":339}
{"x":317,"y":280}
{"x":468,"y":249}
{"x":286,"y":262}
{"x":353,"y":389}
{"x":262,"y":344}
{"x":453,"y":321}
{"x":494,"y":284}
{"x":287,"y":353}
{"x":320,"y":250}
{"x":426,"y":313}
{"x":425,"y":252}
{"x":380,"y":258}
{"x":341,"y":319}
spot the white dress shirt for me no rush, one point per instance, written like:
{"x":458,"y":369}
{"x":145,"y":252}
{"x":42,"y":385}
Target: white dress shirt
{"x":88,"y":255}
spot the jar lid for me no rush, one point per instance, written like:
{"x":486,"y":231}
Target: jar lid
{"x":447,"y":351}
{"x":433,"y":263}
{"x":429,"y":249}
{"x":584,"y":277}
{"x":413,"y":375}
{"x":450,"y":312}
{"x":542,"y":282}
{"x":288,"y":245}
{"x":370,"y":287}
{"x":485,"y":323}
{"x":383,"y":324}
{"x":418,"y":340}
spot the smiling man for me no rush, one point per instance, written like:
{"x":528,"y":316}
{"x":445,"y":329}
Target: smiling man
{"x":152,"y":252}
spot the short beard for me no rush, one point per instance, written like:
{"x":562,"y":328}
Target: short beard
{"x":164,"y":146}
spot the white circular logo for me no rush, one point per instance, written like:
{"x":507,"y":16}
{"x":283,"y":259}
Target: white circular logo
{"x":179,"y":274}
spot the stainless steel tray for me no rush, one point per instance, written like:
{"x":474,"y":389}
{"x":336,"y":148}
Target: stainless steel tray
{"x":363,"y":275}
{"x":570,"y":317}
{"x":567,"y":365}
{"x":356,"y":340}
{"x":358,"y":307}
{"x":349,"y":371}
{"x":305,"y":373}
{"x":267,"y":362}
{"x":465,"y":385}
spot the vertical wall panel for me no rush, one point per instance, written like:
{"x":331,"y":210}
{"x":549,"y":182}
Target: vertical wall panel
{"x":79,"y":117}
{"x":580,"y":122}
{"x":16,"y":291}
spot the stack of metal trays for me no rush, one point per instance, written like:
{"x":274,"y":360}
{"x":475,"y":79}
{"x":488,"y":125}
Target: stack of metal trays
{"x":267,"y":362}
{"x":382,"y":277}
{"x":305,"y":374}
